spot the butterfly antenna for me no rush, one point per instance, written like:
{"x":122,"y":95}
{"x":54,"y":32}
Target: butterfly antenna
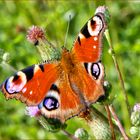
{"x":67,"y":31}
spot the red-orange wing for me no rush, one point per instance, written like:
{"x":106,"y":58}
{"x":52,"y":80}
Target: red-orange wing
{"x":87,"y":46}
{"x":87,"y":50}
{"x":31,"y":84}
{"x":45,"y":87}
{"x":88,"y":82}
{"x":61,"y":101}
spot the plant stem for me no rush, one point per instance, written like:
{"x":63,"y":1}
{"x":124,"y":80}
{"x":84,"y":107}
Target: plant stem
{"x":118,"y":70}
{"x":118,"y":123}
{"x":7,"y":66}
{"x":99,"y":124}
{"x":110,"y":122}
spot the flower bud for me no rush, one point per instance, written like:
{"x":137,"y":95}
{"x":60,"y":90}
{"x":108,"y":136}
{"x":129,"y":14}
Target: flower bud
{"x":47,"y":50}
{"x":137,"y":107}
{"x":34,"y":34}
{"x":82,"y":134}
{"x":135,"y":131}
{"x":107,"y":87}
{"x":135,"y":118}
{"x":103,"y":10}
{"x":6,"y":57}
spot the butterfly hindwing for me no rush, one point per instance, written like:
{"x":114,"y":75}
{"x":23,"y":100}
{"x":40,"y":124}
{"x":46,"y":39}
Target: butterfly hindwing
{"x":87,"y":82}
{"x":46,"y":86}
{"x":95,"y":72}
{"x":61,"y":101}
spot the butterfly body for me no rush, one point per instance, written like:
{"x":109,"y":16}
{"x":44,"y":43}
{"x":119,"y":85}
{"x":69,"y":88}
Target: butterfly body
{"x":62,"y":89}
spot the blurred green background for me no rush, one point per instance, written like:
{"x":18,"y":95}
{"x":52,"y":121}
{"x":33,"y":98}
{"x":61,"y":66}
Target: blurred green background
{"x":15,"y":19}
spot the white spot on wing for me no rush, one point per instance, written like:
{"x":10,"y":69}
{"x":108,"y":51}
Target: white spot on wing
{"x":36,"y":68}
{"x":101,"y":71}
{"x":31,"y":92}
{"x":81,"y":36}
{"x":89,"y":68}
{"x":94,"y":47}
{"x":95,"y":38}
{"x":24,"y":90}
{"x":52,"y":93}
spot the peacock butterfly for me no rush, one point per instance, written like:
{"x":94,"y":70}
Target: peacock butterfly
{"x":63,"y":88}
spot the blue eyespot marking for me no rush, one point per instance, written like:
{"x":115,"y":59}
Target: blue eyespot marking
{"x":8,"y":87}
{"x":50,"y":103}
{"x":95,"y":70}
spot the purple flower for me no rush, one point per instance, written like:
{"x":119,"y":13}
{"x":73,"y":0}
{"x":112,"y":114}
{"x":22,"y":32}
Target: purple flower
{"x":32,"y":111}
{"x":101,"y":9}
{"x":34,"y":34}
{"x":137,"y":107}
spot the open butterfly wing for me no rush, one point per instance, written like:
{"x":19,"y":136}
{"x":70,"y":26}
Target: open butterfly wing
{"x":87,"y":46}
{"x":61,"y":101}
{"x":87,"y":49}
{"x":30,"y":85}
{"x":88,"y":82}
{"x":46,"y":87}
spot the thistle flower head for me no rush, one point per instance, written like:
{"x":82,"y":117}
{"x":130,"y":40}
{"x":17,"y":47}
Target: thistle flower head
{"x":135,"y":115}
{"x":103,"y":10}
{"x":34,"y":34}
{"x":136,"y":107}
{"x":32,"y":111}
{"x":135,"y":132}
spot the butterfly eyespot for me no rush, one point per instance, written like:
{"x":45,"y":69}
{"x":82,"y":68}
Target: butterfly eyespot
{"x":8,"y":87}
{"x":15,"y":83}
{"x":50,"y":103}
{"x":95,"y":70}
{"x":16,"y":77}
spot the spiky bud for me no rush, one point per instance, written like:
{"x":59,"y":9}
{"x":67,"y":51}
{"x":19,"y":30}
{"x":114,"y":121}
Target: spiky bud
{"x":104,"y":10}
{"x":135,"y":118}
{"x":135,"y":132}
{"x":34,"y":34}
{"x":47,"y":51}
{"x":136,"y":107}
{"x":82,"y":134}
{"x":6,"y":57}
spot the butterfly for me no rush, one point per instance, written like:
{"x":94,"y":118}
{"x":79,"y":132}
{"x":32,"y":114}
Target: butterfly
{"x":62,"y":89}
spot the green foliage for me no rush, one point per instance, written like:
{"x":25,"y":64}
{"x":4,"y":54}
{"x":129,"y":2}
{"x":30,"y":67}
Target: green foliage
{"x":16,"y":17}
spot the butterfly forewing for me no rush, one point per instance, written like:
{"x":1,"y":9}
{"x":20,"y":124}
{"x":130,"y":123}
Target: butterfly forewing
{"x":31,"y":84}
{"x":87,"y":46}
